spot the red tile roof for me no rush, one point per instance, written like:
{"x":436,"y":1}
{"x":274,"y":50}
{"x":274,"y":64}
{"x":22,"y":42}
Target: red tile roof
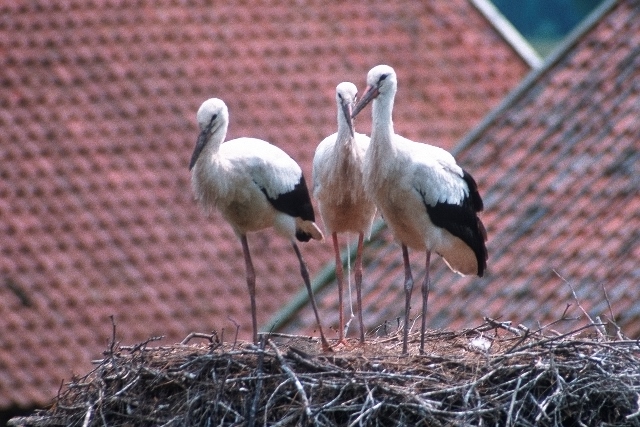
{"x":97,"y":110}
{"x":558,"y":165}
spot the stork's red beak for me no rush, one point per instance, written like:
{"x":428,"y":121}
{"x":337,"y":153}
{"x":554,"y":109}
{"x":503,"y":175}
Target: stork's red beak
{"x":369,"y":94}
{"x":203,"y":138}
{"x":346,"y":110}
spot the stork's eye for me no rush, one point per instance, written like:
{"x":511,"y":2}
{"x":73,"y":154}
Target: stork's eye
{"x":340,"y":95}
{"x":382,"y":77}
{"x":211,"y":122}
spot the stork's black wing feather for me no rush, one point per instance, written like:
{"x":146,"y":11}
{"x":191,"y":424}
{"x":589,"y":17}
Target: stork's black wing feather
{"x":463,"y":223}
{"x":474,"y":195}
{"x":296,"y":202}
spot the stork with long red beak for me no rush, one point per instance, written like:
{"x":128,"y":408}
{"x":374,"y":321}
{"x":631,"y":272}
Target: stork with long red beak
{"x":338,"y":186}
{"x":429,"y":202}
{"x":255,"y":185}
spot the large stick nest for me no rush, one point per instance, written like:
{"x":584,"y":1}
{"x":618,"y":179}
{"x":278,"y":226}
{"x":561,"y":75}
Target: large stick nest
{"x":494,"y":374}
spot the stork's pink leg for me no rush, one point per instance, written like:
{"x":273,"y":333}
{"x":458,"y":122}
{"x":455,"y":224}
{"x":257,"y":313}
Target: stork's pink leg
{"x":408,"y":287}
{"x":307,"y":282}
{"x":425,"y":299}
{"x":251,"y":284}
{"x":358,"y":268}
{"x":340,"y":280}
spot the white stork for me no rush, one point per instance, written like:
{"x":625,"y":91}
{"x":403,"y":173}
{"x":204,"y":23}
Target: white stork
{"x":427,"y":200}
{"x":255,"y":185}
{"x":338,"y":187}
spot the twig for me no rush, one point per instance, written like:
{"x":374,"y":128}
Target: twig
{"x":548,"y":340}
{"x":59,"y":389}
{"x":513,"y":402}
{"x":143,"y":345}
{"x":282,"y":335}
{"x":230,"y":409}
{"x":613,"y":317}
{"x":502,"y":325}
{"x":575,"y":296}
{"x":636,"y":413}
{"x":563,"y":318}
{"x":256,"y":398}
{"x":294,"y":378}
{"x":365,"y":413}
{"x":112,"y":344}
{"x":520,"y":341}
{"x":128,"y":386}
{"x":212,"y":337}
{"x":273,"y":396}
{"x":87,"y":417}
{"x":237,"y":325}
{"x":337,"y":398}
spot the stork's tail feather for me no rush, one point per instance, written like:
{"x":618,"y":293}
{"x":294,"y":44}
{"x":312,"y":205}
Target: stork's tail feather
{"x":307,"y":230}
{"x":481,"y":252}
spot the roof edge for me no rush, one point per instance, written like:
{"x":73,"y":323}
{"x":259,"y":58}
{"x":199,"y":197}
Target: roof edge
{"x":564,"y":46}
{"x":508,"y":32}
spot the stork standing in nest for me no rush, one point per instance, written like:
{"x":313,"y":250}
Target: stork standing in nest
{"x":255,"y":185}
{"x":427,"y":200}
{"x":339,"y":189}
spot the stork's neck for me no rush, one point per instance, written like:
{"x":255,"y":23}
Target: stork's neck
{"x":215,"y":139}
{"x":381,"y":151}
{"x":382,"y":122}
{"x":343,"y":138}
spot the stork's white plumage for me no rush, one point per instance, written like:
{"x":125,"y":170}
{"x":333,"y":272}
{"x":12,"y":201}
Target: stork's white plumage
{"x":339,"y":189}
{"x":427,"y":200}
{"x":255,"y":185}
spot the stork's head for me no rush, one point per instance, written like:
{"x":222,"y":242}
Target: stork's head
{"x":212,"y":116}
{"x":381,"y":80}
{"x":346,"y":96}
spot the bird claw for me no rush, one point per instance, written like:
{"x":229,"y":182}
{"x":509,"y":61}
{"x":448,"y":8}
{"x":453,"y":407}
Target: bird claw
{"x":341,"y":343}
{"x":326,"y":347}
